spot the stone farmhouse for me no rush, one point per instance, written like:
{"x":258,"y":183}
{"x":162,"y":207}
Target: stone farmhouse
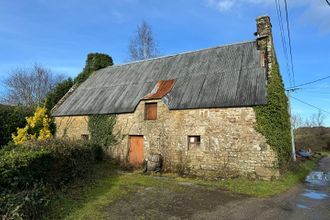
{"x":194,"y":108}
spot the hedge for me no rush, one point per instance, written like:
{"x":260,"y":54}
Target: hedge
{"x":12,"y":117}
{"x":29,"y":172}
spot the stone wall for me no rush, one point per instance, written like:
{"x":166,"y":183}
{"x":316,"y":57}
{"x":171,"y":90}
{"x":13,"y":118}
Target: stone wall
{"x":72,"y":127}
{"x":229,"y":146}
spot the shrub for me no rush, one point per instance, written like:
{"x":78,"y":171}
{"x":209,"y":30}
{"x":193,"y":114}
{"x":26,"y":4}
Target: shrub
{"x":68,"y":159}
{"x":315,"y":138}
{"x":19,"y":169}
{"x":30,"y":171}
{"x":25,"y":204}
{"x":12,"y":117}
{"x":97,"y":151}
{"x":38,"y":127}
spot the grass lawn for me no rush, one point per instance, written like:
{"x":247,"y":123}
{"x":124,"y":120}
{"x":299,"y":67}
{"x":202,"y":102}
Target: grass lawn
{"x":85,"y":199}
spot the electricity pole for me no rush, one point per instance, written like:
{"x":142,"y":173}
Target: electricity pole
{"x":291,"y":124}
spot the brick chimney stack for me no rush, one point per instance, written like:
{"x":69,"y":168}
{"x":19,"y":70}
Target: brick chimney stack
{"x":265,"y":41}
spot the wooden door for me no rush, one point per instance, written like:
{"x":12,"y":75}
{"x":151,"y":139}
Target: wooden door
{"x":136,"y":152}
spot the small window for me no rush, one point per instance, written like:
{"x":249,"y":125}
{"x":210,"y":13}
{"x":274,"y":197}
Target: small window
{"x":85,"y":137}
{"x":150,"y":112}
{"x":194,"y":141}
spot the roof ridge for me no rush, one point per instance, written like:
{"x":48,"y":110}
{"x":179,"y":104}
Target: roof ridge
{"x":186,"y":52}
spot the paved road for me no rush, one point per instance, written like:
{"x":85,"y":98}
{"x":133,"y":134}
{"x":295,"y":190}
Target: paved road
{"x":310,"y":200}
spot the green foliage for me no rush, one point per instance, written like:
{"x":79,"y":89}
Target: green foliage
{"x":29,"y":172}
{"x":60,"y":90}
{"x":24,"y":204}
{"x":95,"y":61}
{"x":20,"y":167}
{"x":37,"y":127}
{"x":12,"y":117}
{"x":315,"y":138}
{"x":273,"y":119}
{"x":97,"y":151}
{"x":101,"y":130}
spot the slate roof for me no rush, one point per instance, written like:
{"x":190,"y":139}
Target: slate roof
{"x":223,"y":76}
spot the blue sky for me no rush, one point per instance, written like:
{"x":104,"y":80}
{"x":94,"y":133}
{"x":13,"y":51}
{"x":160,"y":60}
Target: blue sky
{"x":60,"y":33}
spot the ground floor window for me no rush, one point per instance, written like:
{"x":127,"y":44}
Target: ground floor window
{"x":194,"y":141}
{"x":85,"y":137}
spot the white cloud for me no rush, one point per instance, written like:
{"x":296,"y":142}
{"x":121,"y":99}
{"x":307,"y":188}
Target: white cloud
{"x":227,"y":5}
{"x":223,"y":5}
{"x":317,"y":12}
{"x":311,"y":11}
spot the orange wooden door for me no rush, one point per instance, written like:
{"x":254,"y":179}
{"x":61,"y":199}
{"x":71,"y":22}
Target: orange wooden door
{"x":136,"y":152}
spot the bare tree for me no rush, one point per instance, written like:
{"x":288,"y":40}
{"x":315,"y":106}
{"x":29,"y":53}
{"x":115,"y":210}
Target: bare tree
{"x":143,"y":46}
{"x":315,"y":120}
{"x":308,"y":123}
{"x":297,"y":121}
{"x":29,"y":86}
{"x":318,"y":119}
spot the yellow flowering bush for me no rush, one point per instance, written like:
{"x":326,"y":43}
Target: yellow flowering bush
{"x":37,"y":127}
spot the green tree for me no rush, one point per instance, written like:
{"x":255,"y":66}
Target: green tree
{"x":12,"y":117}
{"x":60,"y":90}
{"x":95,"y":61}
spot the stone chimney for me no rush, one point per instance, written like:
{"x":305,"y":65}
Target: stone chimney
{"x":265,"y":42}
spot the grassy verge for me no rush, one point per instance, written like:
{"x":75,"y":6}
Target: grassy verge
{"x":259,"y":188}
{"x":85,"y":199}
{"x":325,"y":153}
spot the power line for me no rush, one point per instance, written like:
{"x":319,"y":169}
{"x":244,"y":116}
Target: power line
{"x":307,"y":83}
{"x":285,"y":50}
{"x":289,"y":37}
{"x":299,"y":100}
{"x":317,"y":92}
{"x":328,"y":2}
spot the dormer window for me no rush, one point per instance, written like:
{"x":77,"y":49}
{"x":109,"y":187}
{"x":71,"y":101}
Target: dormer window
{"x":150,"y":111}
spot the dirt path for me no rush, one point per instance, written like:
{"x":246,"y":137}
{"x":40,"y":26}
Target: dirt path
{"x":306,"y":201}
